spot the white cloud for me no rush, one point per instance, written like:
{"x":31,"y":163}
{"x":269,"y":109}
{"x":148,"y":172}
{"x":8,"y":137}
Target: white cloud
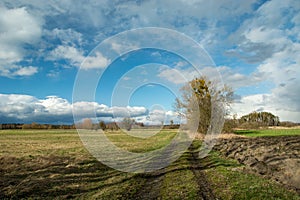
{"x":70,"y":53}
{"x":16,"y":108}
{"x":76,"y":57}
{"x":66,"y":36}
{"x":95,"y":61}
{"x":156,"y":117}
{"x":265,"y":102}
{"x":176,"y":76}
{"x":17,"y":28}
{"x":53,"y":109}
{"x":225,"y":74}
{"x":25,"y":71}
{"x":57,"y":105}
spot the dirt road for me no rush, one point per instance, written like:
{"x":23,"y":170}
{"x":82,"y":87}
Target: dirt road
{"x":152,"y":187}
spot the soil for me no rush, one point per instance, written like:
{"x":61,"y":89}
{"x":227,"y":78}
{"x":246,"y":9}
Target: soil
{"x":277,"y":158}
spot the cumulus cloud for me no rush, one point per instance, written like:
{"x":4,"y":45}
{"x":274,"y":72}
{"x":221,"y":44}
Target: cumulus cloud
{"x":70,"y":53}
{"x":17,"y":29}
{"x":25,"y":71}
{"x":66,"y":36}
{"x":265,"y":102}
{"x":277,"y":46}
{"x":53,"y":109}
{"x":225,"y":74}
{"x":16,"y":108}
{"x":97,"y":60}
{"x":159,"y":117}
{"x":76,"y":57}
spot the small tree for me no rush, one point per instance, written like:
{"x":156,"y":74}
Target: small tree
{"x":171,"y":122}
{"x":102,"y":125}
{"x":87,"y":124}
{"x":198,"y":98}
{"x":127,"y":123}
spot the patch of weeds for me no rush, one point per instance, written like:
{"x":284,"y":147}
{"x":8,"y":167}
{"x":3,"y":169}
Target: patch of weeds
{"x":268,"y":132}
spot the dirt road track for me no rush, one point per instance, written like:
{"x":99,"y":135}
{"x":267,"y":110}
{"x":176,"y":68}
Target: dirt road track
{"x":152,"y":187}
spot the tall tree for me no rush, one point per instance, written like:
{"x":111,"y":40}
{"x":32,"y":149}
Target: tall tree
{"x":198,"y":99}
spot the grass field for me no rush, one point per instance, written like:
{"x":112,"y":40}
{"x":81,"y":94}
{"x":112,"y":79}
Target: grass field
{"x":55,"y":165}
{"x":268,"y":132}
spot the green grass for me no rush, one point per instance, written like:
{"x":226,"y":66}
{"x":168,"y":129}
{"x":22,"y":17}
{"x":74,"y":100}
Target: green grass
{"x":269,"y":132}
{"x":42,"y":164}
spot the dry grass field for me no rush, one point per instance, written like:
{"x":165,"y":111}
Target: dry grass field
{"x":53,"y":164}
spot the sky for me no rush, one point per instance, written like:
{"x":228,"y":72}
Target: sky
{"x":113,"y":59}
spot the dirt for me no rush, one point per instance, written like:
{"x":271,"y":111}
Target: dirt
{"x":205,"y":190}
{"x":277,"y":158}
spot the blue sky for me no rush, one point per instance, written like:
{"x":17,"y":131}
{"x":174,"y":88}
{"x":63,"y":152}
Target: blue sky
{"x":254,"y":45}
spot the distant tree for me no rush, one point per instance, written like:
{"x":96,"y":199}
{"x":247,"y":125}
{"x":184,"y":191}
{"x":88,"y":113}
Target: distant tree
{"x":102,"y":125}
{"x":260,"y":118}
{"x":112,"y":126}
{"x":288,"y":124}
{"x":127,"y":123}
{"x":34,"y":125}
{"x":95,"y":126}
{"x":87,"y":124}
{"x":196,"y":102}
{"x":171,"y":122}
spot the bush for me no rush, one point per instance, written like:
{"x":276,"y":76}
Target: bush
{"x":288,"y":124}
{"x":229,"y":125}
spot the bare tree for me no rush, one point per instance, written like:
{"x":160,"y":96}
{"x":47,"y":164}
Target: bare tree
{"x":198,"y":98}
{"x":127,"y":123}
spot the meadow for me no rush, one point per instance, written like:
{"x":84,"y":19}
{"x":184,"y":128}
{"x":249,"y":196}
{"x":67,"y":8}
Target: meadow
{"x":269,"y":132}
{"x":53,"y":164}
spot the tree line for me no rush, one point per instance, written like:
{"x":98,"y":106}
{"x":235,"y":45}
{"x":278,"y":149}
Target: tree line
{"x":35,"y":125}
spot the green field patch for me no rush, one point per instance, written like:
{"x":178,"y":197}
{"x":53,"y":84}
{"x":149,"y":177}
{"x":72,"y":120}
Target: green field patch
{"x":268,"y":132}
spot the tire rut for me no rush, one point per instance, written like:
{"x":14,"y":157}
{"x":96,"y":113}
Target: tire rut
{"x":154,"y":180}
{"x":151,"y":189}
{"x":205,"y":191}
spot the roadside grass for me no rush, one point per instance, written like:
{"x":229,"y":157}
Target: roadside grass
{"x":42,"y":164}
{"x":268,"y":132}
